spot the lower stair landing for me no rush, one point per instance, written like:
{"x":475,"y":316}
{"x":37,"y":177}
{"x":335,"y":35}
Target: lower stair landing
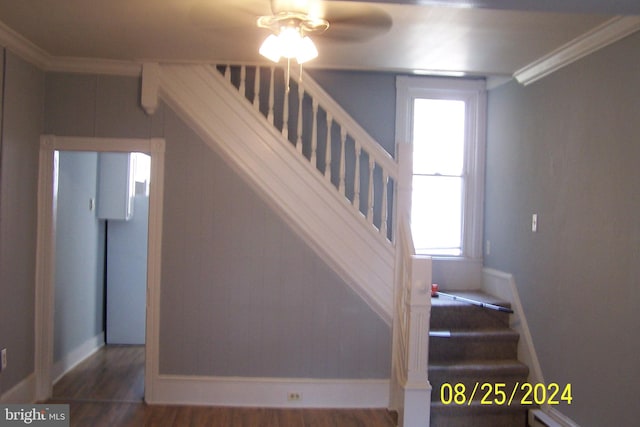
{"x":473,"y":359}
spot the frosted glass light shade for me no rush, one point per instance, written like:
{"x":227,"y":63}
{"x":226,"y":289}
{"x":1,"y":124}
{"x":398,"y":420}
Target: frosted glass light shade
{"x":270,"y":48}
{"x":307,"y":50}
{"x":289,"y":44}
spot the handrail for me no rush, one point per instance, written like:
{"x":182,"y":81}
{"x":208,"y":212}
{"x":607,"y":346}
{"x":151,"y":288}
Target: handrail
{"x":324,"y":134}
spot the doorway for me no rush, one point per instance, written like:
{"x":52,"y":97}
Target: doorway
{"x":46,"y":248}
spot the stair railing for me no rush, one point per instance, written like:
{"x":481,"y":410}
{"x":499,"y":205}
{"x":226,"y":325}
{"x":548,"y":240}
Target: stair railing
{"x":410,"y":392}
{"x":329,"y":140}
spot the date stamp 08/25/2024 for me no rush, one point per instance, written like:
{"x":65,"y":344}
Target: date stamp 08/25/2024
{"x":506,"y":394}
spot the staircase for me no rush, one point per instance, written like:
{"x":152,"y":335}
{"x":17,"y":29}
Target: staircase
{"x":333,"y":184}
{"x":316,"y":167}
{"x":472,"y":345}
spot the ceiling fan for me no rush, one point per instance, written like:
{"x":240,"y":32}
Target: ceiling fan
{"x":293,"y":21}
{"x":328,"y":21}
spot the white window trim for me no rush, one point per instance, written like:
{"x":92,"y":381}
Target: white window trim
{"x":473,"y":92}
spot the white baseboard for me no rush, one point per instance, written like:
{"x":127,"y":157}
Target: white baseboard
{"x":23,"y":392}
{"x":502,"y":285}
{"x":269,"y":392}
{"x":549,"y":417}
{"x":76,"y":356}
{"x":559,"y":416}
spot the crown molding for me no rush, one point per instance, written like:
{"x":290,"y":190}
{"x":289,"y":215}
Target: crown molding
{"x":22,"y":47}
{"x":609,"y":32}
{"x":28,"y":51}
{"x":94,"y":66}
{"x":590,"y":42}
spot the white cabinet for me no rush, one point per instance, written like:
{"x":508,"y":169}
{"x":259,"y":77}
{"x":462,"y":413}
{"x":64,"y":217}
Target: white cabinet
{"x":116,"y":186}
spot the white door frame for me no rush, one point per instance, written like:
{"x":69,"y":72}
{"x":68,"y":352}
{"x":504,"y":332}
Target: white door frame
{"x":45,"y":249}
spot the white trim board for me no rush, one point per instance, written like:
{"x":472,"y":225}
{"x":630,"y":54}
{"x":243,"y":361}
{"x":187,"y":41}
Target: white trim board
{"x":550,"y":417}
{"x":599,"y":37}
{"x":30,"y":52}
{"x":502,"y":285}
{"x":77,"y":356}
{"x":45,"y":249}
{"x":23,"y":392}
{"x":270,"y":392}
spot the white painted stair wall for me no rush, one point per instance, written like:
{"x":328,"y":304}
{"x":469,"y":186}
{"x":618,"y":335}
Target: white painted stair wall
{"x":258,"y":153}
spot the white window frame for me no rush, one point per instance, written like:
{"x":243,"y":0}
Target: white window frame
{"x":473,"y":93}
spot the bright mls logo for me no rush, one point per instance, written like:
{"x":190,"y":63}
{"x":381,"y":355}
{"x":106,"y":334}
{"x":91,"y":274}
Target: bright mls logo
{"x":35,"y":415}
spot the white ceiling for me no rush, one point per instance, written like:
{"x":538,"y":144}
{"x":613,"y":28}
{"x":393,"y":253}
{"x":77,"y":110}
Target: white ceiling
{"x":481,"y":37}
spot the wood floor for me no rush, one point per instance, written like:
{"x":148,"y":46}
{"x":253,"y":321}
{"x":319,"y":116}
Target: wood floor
{"x":108,"y":390}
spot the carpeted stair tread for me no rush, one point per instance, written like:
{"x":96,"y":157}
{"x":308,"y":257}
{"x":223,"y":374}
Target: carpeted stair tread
{"x":477,"y":415}
{"x":474,"y":295}
{"x":476,"y":334}
{"x":474,"y":346}
{"x":457,"y":315}
{"x":503,"y":366}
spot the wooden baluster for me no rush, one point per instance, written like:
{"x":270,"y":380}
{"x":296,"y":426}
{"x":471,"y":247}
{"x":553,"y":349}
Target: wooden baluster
{"x":256,"y":89}
{"x":327,"y":151}
{"x":384,"y":214}
{"x":327,"y":167}
{"x":356,"y":177}
{"x":300,"y":98}
{"x":343,"y":167}
{"x":243,"y":77}
{"x":227,"y":72}
{"x":372,"y":165}
{"x":271,"y":84}
{"x":314,"y":133}
{"x":285,"y":109}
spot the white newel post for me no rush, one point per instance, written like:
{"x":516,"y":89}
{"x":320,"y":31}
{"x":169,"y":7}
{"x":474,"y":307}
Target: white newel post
{"x":413,"y":288}
{"x":417,"y":390}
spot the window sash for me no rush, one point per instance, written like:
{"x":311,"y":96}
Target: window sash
{"x":473,"y":93}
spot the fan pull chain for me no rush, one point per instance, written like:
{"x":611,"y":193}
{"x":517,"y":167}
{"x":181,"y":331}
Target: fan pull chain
{"x":288,"y":73}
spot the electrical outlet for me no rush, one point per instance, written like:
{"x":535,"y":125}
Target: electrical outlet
{"x":3,"y":356}
{"x":534,"y":223}
{"x":294,"y":396}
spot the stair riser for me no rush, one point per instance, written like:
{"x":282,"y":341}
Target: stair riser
{"x":453,"y":349}
{"x":483,"y":391}
{"x":478,"y":352}
{"x":518,"y":418}
{"x":467,"y":317}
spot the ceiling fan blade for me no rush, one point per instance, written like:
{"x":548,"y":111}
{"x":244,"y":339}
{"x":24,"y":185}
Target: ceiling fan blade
{"x":227,"y":15}
{"x":355,"y":21}
{"x":308,"y":7}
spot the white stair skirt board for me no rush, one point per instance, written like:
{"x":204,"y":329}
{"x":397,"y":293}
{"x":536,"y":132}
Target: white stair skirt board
{"x":77,"y":356}
{"x":502,"y":285}
{"x":323,"y":218}
{"x":549,"y":417}
{"x":23,"y":392}
{"x":270,"y":392}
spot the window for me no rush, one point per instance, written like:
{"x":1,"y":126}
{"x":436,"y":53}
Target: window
{"x":443,"y":119}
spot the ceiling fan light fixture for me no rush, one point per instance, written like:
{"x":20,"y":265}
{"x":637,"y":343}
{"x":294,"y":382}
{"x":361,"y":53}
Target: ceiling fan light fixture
{"x":290,"y":44}
{"x":307,"y":51}
{"x":270,"y":48}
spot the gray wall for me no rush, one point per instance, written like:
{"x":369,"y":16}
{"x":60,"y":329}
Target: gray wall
{"x":241,"y":294}
{"x":22,"y":125}
{"x":78,"y":314}
{"x":568,"y":148}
